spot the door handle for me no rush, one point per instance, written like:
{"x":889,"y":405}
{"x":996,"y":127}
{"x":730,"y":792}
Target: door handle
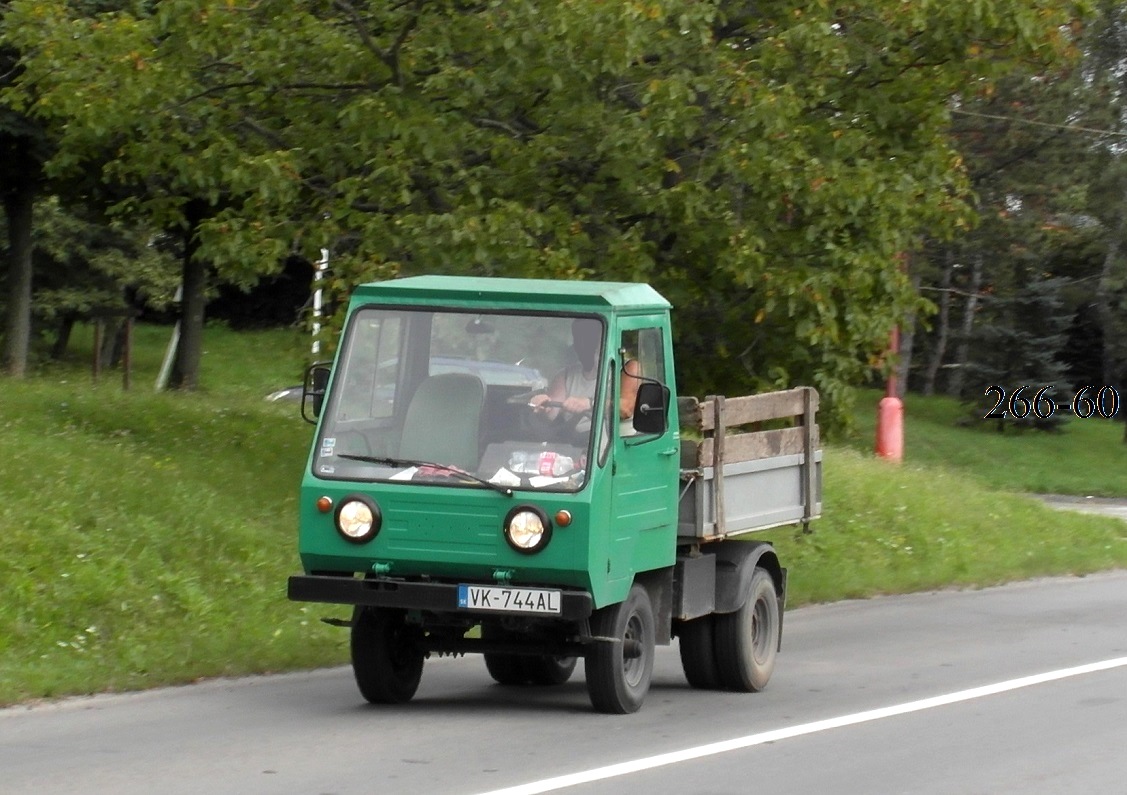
{"x":674,"y":451}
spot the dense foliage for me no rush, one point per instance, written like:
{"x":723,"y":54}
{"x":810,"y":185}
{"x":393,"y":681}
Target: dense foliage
{"x":764,"y":165}
{"x":1035,"y":293}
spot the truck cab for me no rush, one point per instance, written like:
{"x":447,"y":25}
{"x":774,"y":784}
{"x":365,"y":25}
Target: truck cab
{"x":497,"y":468}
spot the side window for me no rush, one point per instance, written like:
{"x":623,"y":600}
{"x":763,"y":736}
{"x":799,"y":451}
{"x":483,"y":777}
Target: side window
{"x":373,"y":364}
{"x":643,"y":355}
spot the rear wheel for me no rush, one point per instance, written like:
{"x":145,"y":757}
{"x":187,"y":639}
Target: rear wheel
{"x":698,"y":657}
{"x":387,"y":660}
{"x":747,"y":640}
{"x":524,"y":669}
{"x":506,"y":669}
{"x":619,"y":671}
{"x":548,"y":670}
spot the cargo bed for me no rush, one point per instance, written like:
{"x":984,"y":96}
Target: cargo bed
{"x":768,"y":452}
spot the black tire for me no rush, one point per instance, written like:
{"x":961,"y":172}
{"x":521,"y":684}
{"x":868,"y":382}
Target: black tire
{"x":747,"y":640}
{"x":386,"y":658}
{"x":698,"y":657}
{"x":548,"y":670}
{"x":506,"y":669}
{"x":617,"y":682}
{"x":524,"y":669}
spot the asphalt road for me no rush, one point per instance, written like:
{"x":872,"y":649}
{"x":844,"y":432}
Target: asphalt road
{"x":1021,"y":688}
{"x":1104,"y":506}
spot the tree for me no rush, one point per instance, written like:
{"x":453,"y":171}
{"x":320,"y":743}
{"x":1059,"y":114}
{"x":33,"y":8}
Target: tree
{"x":23,"y":149}
{"x":158,"y":156}
{"x":1028,"y":155}
{"x":1044,"y":154}
{"x":1107,"y":57}
{"x":764,"y":166}
{"x":27,"y":142}
{"x":1020,"y":344}
{"x":88,"y":265}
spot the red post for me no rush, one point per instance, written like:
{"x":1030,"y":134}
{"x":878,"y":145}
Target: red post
{"x":890,"y":414}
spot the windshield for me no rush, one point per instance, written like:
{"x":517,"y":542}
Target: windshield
{"x":456,"y":397}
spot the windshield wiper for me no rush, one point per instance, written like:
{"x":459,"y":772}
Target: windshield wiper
{"x":407,"y":462}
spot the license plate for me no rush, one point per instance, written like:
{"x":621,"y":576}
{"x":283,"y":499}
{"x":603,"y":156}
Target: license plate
{"x":516,"y":600}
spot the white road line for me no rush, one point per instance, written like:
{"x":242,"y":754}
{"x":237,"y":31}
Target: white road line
{"x":651,"y":762}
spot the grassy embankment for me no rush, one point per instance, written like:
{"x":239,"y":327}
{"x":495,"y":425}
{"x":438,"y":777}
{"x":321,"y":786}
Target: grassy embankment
{"x":145,"y":539}
{"x":956,"y":512}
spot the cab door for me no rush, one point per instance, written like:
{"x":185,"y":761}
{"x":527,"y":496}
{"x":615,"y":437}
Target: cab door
{"x":645,"y":468}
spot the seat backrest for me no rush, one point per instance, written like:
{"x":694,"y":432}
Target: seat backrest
{"x":443,"y":422}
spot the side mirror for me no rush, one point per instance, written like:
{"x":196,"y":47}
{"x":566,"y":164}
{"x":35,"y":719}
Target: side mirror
{"x":313,"y":391}
{"x":651,"y":408}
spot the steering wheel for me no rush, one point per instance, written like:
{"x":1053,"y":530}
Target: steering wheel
{"x":570,"y":427}
{"x":524,"y":397}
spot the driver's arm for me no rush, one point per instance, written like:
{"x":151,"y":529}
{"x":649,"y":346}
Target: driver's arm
{"x":576,"y":405}
{"x":555,"y":394}
{"x":628,"y":391}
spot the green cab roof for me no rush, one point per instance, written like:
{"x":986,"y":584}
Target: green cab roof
{"x":551,"y":294}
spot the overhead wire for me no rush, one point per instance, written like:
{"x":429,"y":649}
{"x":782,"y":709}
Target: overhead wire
{"x":1035,"y":123}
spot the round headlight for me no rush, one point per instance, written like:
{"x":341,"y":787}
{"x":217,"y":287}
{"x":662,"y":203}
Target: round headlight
{"x":527,"y":529}
{"x":358,"y":519}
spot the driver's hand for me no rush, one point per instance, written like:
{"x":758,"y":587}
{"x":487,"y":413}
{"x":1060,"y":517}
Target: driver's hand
{"x":576,"y":405}
{"x":537,"y":402}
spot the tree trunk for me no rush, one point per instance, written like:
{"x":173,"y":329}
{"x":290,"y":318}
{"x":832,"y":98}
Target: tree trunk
{"x":907,"y":345}
{"x":943,"y":322}
{"x":1105,"y":314}
{"x":962,"y":354}
{"x":1105,"y":291}
{"x":114,"y":342}
{"x":19,"y":201}
{"x":62,"y":337}
{"x":186,"y":370}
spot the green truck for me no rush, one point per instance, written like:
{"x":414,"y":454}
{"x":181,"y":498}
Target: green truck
{"x":501,"y":467}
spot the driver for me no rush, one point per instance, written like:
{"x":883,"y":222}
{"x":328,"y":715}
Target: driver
{"x":572,"y":390}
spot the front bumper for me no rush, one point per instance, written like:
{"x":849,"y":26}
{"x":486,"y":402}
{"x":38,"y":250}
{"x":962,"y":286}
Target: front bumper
{"x":433,"y":596}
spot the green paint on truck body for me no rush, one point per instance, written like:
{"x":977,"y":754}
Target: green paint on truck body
{"x":510,"y":336}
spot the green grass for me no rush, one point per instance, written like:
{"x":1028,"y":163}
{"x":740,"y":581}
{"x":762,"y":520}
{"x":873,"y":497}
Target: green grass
{"x":145,"y":539}
{"x":890,"y":528}
{"x":1085,"y":457}
{"x":956,"y":512}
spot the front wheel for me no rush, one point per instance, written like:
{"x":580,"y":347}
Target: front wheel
{"x":619,"y":670}
{"x":747,"y":640}
{"x":386,"y":658}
